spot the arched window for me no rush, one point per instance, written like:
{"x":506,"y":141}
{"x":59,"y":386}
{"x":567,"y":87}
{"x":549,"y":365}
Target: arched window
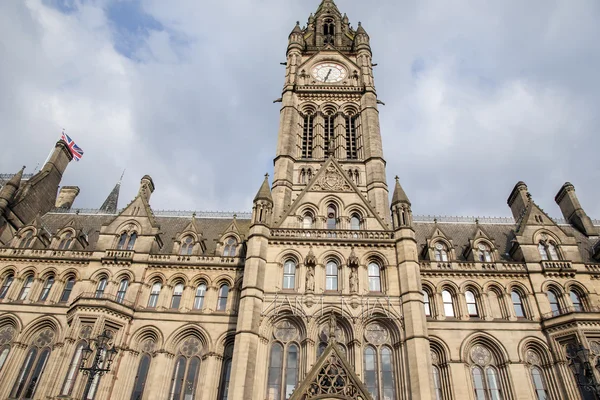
{"x":6,"y":285}
{"x":122,"y":241}
{"x":275,"y":372}
{"x":187,"y":246}
{"x":127,"y":241}
{"x":66,"y":241}
{"x":100,"y":288}
{"x":517,"y":304}
{"x":29,"y":376}
{"x":230,"y":247}
{"x":307,"y":221}
{"x":331,"y":217}
{"x":71,"y":377}
{"x":140,"y":378}
{"x":371,"y":371}
{"x":351,"y":142}
{"x":554,"y":305}
{"x":154,"y":293}
{"x":222,"y":299}
{"x":46,"y":289}
{"x":185,"y":378}
{"x":437,"y":383}
{"x":374,"y":277}
{"x":553,"y":252}
{"x":307,"y":137}
{"x":542,"y":251}
{"x":576,"y":300}
{"x":26,"y":288}
{"x":4,"y":350}
{"x":484,"y":252}
{"x":486,"y":386}
{"x":539,"y":384}
{"x":291,"y":370}
{"x":548,"y":251}
{"x":387,"y":374}
{"x":328,"y":27}
{"x":441,"y":252}
{"x":132,"y":239}
{"x":448,"y":304}
{"x":122,"y":290}
{"x":426,"y":303}
{"x":199,"y":297}
{"x":471,"y":304}
{"x":226,"y":374}
{"x":289,"y":275}
{"x":331,"y":276}
{"x":355,"y":222}
{"x":67,"y":290}
{"x":177,"y":293}
{"x":379,"y":372}
{"x":26,"y":240}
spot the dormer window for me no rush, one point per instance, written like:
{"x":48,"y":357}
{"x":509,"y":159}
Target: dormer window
{"x":331,"y":217}
{"x":484,"y":252}
{"x":187,"y":246}
{"x":66,"y":241}
{"x":548,"y":251}
{"x":26,"y":240}
{"x":230,"y":247}
{"x":441,"y":252}
{"x":127,"y":241}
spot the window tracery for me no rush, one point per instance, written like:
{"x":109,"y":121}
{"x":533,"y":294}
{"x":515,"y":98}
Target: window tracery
{"x":484,"y":374}
{"x":65,"y":242}
{"x":332,"y":216}
{"x":307,"y":136}
{"x":127,"y":240}
{"x":548,"y":249}
{"x":351,"y":139}
{"x":440,"y":252}
{"x":378,"y":363}
{"x":187,"y":246}
{"x":284,"y":362}
{"x":33,"y":366}
{"x":7,"y":335}
{"x":72,"y":372}
{"x":484,"y":252}
{"x":187,"y":368}
{"x":230,"y":248}
{"x":534,"y":363}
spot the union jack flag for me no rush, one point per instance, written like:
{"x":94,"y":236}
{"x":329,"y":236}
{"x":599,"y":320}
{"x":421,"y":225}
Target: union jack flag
{"x":73,"y":148}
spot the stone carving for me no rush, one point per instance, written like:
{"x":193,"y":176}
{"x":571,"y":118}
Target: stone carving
{"x":595,"y":348}
{"x":532,"y":358}
{"x":376,"y":334}
{"x":147,"y":346}
{"x":434,"y":358}
{"x":310,"y":279}
{"x":481,"y":356}
{"x":332,"y":180}
{"x":353,"y":280}
{"x":85,"y":332}
{"x":191,"y":347}
{"x":285,"y":331}
{"x":6,"y":335}
{"x":324,"y":334}
{"x":334,"y":380}
{"x":44,"y":338}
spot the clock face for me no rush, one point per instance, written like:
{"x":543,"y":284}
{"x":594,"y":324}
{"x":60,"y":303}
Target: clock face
{"x":329,"y":72}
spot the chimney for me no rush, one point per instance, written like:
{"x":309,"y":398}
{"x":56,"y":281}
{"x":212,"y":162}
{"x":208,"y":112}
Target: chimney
{"x":146,"y":188}
{"x":66,"y":196}
{"x":59,"y":159}
{"x":572,"y":211}
{"x":518,"y":199}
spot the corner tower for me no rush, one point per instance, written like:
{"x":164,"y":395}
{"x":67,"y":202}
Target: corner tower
{"x":329,"y":110}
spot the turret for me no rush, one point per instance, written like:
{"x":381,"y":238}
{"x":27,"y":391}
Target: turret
{"x":401,"y":207}
{"x":146,"y":188}
{"x":66,"y":196}
{"x":262,"y":211}
{"x":7,"y":193}
{"x":111,"y":203}
{"x":566,"y":198}
{"x":361,"y":39}
{"x":518,"y":200}
{"x":296,"y":38}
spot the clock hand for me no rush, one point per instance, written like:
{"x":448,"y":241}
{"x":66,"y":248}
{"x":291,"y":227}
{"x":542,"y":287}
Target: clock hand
{"x":327,"y":76}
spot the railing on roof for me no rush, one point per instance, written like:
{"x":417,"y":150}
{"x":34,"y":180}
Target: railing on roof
{"x":571,"y":310}
{"x":161,"y":213}
{"x":481,"y":220}
{"x":6,"y":177}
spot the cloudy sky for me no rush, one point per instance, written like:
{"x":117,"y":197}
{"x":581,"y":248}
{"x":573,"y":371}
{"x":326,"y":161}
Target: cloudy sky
{"x":479,"y":95}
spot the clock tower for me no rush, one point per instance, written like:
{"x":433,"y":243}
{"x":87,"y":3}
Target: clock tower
{"x":329,"y":111}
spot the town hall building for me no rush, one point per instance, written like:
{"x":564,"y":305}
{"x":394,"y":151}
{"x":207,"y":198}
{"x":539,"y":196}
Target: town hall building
{"x":330,"y":288}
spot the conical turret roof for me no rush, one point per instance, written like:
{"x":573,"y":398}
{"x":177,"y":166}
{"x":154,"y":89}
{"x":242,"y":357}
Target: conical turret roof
{"x":111,"y":203}
{"x":264,"y":193}
{"x":327,"y":5}
{"x":399,"y":194}
{"x":10,"y":188}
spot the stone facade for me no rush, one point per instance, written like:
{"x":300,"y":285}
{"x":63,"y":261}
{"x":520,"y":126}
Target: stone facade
{"x":327,"y":290}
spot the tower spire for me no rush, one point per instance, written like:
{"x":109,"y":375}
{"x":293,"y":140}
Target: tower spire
{"x":8,"y":191}
{"x":110,"y":205}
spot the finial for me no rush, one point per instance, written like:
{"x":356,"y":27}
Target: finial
{"x":234,"y":216}
{"x":267,"y":176}
{"x":298,"y":23}
{"x":194,"y":214}
{"x":435,"y":220}
{"x":397,"y":178}
{"x":332,"y":326}
{"x":359,"y":23}
{"x":122,"y":175}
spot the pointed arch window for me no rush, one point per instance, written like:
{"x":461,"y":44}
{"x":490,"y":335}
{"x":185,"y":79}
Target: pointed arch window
{"x":554,"y":305}
{"x":426,"y":303}
{"x":230,"y":247}
{"x":371,"y":371}
{"x":26,"y":288}
{"x":177,"y":294}
{"x":307,"y":136}
{"x":46,"y":289}
{"x":127,"y":241}
{"x":187,"y":246}
{"x":289,"y":275}
{"x":355,"y":222}
{"x":471,"y":303}
{"x":185,"y":378}
{"x":29,"y":376}
{"x":123,"y":285}
{"x":441,"y":252}
{"x":448,"y":304}
{"x":329,"y":134}
{"x":331,"y":276}
{"x":69,"y":383}
{"x":154,"y":293}
{"x":539,"y":383}
{"x":484,"y":252}
{"x":67,"y":290}
{"x":576,"y":300}
{"x":548,"y":251}
{"x":199,"y":297}
{"x":4,"y":350}
{"x":351,"y":142}
{"x":331,"y":216}
{"x":307,"y":221}
{"x":101,"y":288}
{"x":542,"y":251}
{"x":26,"y":240}
{"x":222,"y":299}
{"x":437,"y":383}
{"x":275,"y":372}
{"x":282,"y":382}
{"x":141,"y":377}
{"x":328,"y":27}
{"x":379,"y":373}
{"x":226,"y":374}
{"x":374,"y":271}
{"x":65,"y":242}
{"x":517,"y":304}
{"x":6,"y":285}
